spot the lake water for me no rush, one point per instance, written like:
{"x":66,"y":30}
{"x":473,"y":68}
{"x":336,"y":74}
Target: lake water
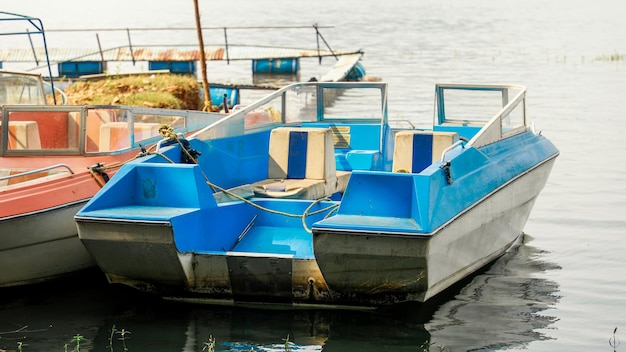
{"x":563,"y":289}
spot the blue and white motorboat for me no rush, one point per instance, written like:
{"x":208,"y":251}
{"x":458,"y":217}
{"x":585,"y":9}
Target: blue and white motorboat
{"x":323,"y":200}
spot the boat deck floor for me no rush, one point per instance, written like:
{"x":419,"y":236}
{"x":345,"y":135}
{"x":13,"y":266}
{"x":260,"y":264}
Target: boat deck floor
{"x":276,"y":240}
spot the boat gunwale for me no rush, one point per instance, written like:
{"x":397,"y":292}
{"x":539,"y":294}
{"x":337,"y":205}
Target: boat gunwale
{"x":94,"y":219}
{"x":42,"y":211}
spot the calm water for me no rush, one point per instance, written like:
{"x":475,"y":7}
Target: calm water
{"x":562,"y":289}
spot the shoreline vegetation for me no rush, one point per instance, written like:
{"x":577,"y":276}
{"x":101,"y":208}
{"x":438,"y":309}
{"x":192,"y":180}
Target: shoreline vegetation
{"x":612,"y":57}
{"x":163,"y":90}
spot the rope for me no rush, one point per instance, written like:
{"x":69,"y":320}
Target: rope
{"x":331,"y":208}
{"x":95,"y":175}
{"x":168,"y":132}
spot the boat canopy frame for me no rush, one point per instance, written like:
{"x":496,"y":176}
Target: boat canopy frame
{"x":37,"y":25}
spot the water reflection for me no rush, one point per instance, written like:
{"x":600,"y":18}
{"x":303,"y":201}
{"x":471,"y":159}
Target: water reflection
{"x":176,"y":327}
{"x":502,"y":307}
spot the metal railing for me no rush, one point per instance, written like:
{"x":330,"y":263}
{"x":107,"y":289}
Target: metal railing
{"x":30,"y":172}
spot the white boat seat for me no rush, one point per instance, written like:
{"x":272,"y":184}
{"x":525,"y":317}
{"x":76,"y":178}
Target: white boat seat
{"x":23,"y":135}
{"x":116,"y":135}
{"x":416,"y":150}
{"x":301,"y":165}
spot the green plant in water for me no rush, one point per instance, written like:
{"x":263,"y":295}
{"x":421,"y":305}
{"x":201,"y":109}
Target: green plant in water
{"x":209,"y":345}
{"x":123,"y":337}
{"x":612,"y":57}
{"x":20,"y":345}
{"x":76,"y":339}
{"x":113,"y":330}
{"x":425,"y":347}
{"x":287,"y":343}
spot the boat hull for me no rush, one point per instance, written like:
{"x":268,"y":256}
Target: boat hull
{"x":144,"y":255}
{"x":370,"y":268}
{"x":39,"y":239}
{"x":53,"y":160}
{"x":41,"y":246}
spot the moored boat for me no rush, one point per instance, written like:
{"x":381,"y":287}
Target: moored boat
{"x":52,"y":160}
{"x":326,"y":203}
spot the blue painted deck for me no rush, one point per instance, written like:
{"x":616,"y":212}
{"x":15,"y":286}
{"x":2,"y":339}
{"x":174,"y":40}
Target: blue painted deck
{"x":276,"y":240}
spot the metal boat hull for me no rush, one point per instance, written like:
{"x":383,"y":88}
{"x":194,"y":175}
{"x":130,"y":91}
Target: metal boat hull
{"x":46,"y":179}
{"x":374,"y":268}
{"x":144,"y":255}
{"x":41,"y":246}
{"x":39,"y":239}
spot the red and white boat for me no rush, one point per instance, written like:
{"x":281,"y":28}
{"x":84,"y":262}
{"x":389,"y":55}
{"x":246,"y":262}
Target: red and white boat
{"x":53,"y":159}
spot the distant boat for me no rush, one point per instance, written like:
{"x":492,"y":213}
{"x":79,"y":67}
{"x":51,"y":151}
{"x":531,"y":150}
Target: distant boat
{"x":325,"y":202}
{"x":273,"y":66}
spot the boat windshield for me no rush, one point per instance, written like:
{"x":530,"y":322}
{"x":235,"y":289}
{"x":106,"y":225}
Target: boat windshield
{"x":300,"y":103}
{"x":21,"y":88}
{"x":491,"y":112}
{"x":83,"y":129}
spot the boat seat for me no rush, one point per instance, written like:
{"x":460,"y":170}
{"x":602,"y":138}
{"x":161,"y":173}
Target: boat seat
{"x":52,"y":127}
{"x":416,"y":150}
{"x":301,"y":165}
{"x":23,"y":135}
{"x":116,"y":135}
{"x":95,"y":119}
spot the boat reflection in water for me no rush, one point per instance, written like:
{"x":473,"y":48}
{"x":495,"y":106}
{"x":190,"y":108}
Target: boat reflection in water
{"x":502,"y":306}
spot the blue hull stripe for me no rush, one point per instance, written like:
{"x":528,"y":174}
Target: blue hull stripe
{"x":422,"y":152}
{"x":296,"y":164}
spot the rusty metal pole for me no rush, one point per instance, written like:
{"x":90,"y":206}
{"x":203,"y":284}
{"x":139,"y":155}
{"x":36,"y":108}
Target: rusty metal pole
{"x":208,"y":104}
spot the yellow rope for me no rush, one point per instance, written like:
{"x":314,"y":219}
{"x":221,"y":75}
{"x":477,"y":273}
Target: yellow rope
{"x":167,"y":131}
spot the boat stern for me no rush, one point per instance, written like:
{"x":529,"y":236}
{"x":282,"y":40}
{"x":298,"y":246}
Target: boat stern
{"x":373,"y":269}
{"x":135,"y":252}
